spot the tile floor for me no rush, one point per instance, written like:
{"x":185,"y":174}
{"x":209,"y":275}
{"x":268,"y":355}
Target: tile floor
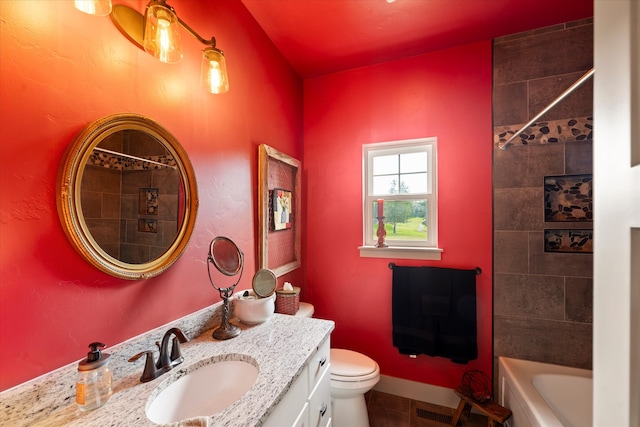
{"x":387,"y":410}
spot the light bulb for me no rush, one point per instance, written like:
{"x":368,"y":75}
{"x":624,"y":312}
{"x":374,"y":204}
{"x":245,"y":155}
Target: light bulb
{"x":214,"y":76}
{"x":94,"y":7}
{"x":164,"y":40}
{"x":161,"y":34}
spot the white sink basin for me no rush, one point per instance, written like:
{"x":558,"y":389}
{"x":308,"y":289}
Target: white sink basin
{"x":205,"y":391}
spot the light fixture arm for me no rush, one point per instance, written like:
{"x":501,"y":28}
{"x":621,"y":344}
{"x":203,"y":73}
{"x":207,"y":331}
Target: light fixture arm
{"x":202,"y":40}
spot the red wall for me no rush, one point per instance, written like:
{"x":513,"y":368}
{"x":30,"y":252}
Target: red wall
{"x":60,"y":70}
{"x":446,"y":94}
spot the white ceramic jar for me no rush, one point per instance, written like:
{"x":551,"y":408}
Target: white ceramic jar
{"x":251,"y":309}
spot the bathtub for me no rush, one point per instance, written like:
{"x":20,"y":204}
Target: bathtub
{"x":544,"y":395}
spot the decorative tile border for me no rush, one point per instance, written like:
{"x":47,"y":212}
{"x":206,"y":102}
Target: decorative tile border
{"x":568,"y":198}
{"x":568,"y":241}
{"x":111,"y":161}
{"x":546,"y":132}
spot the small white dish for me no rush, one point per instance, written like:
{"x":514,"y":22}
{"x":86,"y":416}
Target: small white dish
{"x":252,"y":309}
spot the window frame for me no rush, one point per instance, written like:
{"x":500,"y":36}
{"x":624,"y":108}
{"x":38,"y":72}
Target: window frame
{"x":369,"y":151}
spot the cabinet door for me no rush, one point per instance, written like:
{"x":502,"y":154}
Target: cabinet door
{"x":319,"y":363}
{"x":288,"y":410}
{"x":320,"y":402}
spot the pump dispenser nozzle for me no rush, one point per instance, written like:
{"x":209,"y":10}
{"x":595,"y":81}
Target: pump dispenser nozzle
{"x":95,"y":358}
{"x":95,"y":353}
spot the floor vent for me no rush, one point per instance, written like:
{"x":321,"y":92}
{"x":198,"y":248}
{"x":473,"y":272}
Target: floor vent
{"x":434,"y":416}
{"x":429,"y":415}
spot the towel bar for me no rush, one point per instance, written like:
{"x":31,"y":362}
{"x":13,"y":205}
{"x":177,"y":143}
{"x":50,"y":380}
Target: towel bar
{"x":478,"y":270}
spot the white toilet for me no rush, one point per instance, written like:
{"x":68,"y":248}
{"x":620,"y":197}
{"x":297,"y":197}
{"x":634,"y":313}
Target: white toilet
{"x":352,"y":375}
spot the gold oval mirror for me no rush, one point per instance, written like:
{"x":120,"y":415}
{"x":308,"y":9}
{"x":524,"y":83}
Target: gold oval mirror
{"x":127,"y":196}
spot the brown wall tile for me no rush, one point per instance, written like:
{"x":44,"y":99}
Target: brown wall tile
{"x":110,"y":206}
{"x":544,"y":91}
{"x":96,"y":178}
{"x":134,"y":254}
{"x":510,"y":104}
{"x":510,"y":252}
{"x":104,"y":231}
{"x":558,"y":264}
{"x":529,"y":296}
{"x":91,"y":204}
{"x":579,"y":303}
{"x":542,"y":301}
{"x":547,"y":341}
{"x":518,"y":209}
{"x":527,"y":165}
{"x":133,"y":181}
{"x":543,"y":55}
{"x":578,"y":157}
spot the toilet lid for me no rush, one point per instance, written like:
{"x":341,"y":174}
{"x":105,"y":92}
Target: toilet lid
{"x":347,"y":363}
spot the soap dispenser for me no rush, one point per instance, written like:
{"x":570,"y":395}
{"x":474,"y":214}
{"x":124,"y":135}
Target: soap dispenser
{"x":93,"y":384}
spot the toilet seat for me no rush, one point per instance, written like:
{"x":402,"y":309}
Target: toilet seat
{"x":350,"y":366}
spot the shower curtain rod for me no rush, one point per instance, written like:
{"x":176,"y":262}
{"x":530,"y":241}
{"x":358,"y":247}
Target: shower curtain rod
{"x":562,"y":96}
{"x":116,"y":153}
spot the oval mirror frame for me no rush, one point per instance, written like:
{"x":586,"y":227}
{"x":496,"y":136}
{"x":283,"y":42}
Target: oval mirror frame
{"x":68,"y":196}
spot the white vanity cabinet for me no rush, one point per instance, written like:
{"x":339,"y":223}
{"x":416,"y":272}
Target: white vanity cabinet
{"x":308,"y":401}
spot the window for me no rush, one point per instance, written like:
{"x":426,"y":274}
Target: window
{"x":399,"y":180}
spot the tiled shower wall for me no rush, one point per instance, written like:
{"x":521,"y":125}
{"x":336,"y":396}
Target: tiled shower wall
{"x":542,"y":301}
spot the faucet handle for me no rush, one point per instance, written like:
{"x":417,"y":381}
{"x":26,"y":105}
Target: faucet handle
{"x":150,"y":371}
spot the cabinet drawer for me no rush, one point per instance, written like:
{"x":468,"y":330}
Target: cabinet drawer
{"x":303,"y":418}
{"x":319,"y":363}
{"x":320,"y":402}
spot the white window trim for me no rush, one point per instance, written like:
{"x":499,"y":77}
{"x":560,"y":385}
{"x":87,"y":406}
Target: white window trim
{"x":401,"y":252}
{"x":431,"y":252}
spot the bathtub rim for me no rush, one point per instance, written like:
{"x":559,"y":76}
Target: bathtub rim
{"x":510,"y":369}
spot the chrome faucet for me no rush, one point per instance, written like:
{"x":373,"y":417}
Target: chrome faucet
{"x":166,"y":360}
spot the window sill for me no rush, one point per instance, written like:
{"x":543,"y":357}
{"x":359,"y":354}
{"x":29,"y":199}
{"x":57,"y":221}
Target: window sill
{"x":401,"y":252}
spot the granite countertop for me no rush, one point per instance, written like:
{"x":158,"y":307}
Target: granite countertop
{"x":280,"y":347}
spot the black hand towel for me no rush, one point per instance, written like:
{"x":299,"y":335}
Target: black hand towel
{"x":434,"y":312}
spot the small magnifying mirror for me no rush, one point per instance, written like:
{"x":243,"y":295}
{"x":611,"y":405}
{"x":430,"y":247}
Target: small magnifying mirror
{"x":226,"y":256}
{"x":228,"y":260}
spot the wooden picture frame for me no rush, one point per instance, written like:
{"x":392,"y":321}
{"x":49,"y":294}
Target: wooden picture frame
{"x":279,"y":248}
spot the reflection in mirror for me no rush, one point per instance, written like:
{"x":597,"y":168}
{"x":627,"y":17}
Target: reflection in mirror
{"x":127,"y":196}
{"x":130,"y":196}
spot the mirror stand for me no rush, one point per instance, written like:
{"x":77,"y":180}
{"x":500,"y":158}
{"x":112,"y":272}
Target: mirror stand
{"x":226,"y":330}
{"x":228,"y":260}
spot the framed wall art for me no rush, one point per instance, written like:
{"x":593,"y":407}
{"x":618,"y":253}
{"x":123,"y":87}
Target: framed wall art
{"x":279,"y":202}
{"x":281,"y":207}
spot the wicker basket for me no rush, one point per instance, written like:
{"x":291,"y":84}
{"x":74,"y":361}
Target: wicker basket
{"x":287,"y":302}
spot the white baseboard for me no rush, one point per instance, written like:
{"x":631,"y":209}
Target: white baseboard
{"x":417,"y":391}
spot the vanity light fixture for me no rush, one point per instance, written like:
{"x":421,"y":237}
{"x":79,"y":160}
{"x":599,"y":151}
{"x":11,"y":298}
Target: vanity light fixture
{"x":157,"y":32}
